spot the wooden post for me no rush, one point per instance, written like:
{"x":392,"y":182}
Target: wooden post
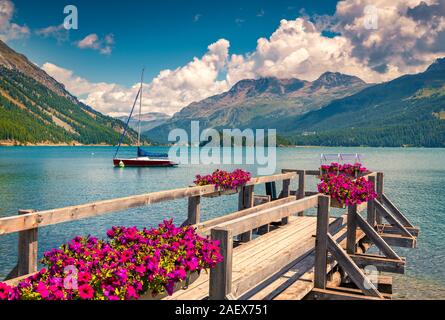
{"x":27,"y":249}
{"x":379,"y":189}
{"x":284,"y":194}
{"x":194,"y":210}
{"x":371,"y":215}
{"x":221,"y":275}
{"x":247,"y":202}
{"x":321,"y":244}
{"x":301,"y":187}
{"x":271,"y":190}
{"x":352,"y":227}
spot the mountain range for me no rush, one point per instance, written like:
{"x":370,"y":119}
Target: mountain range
{"x":401,"y":112}
{"x":334,"y":110}
{"x":261,"y":103}
{"x":149,"y":120}
{"x":36,"y":109}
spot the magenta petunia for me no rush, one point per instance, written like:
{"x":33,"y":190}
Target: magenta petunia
{"x":86,"y":292}
{"x":132,"y":262}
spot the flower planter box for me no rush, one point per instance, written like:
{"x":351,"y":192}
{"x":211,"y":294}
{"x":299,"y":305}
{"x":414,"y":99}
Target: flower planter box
{"x":336,"y":204}
{"x":361,"y":174}
{"x":227,"y":182}
{"x":183,"y":285}
{"x":222,"y":193}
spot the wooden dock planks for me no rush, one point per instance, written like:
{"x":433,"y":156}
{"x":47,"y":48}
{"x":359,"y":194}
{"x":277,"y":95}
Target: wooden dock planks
{"x":282,"y":246}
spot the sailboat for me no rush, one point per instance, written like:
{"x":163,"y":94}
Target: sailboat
{"x":143,"y":158}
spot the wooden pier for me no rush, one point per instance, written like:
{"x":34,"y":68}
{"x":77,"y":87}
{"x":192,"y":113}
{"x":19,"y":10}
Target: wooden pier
{"x":272,"y":248}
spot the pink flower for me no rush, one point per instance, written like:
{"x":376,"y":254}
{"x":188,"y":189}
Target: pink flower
{"x":130,"y":263}
{"x":42,"y":290}
{"x":224,"y":180}
{"x":84,"y":277}
{"x":131,"y":293}
{"x":192,"y":264}
{"x":140,"y":269}
{"x":5,"y":291}
{"x":86,"y":292}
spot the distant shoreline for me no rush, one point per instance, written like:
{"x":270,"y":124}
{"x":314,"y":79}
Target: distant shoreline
{"x":3,"y":144}
{"x":15,"y":144}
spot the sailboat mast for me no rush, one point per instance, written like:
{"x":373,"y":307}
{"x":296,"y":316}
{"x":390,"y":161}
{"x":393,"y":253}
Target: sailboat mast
{"x":140,"y":109}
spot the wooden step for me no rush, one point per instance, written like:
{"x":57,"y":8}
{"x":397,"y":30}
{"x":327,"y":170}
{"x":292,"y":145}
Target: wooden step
{"x":397,"y":240}
{"x":337,"y":294}
{"x":384,"y":284}
{"x":389,"y":229}
{"x":382,"y":263}
{"x":356,"y":291}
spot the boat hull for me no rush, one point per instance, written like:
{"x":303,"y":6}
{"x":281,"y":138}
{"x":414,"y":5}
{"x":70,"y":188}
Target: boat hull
{"x":144,"y":163}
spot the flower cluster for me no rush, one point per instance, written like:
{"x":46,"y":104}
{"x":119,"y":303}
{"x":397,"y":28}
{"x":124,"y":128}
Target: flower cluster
{"x":346,"y":190}
{"x":224,"y":180}
{"x":352,"y":170}
{"x":8,"y":292}
{"x":131,"y":263}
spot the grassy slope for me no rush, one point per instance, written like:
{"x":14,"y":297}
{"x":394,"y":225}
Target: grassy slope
{"x":30,"y":112}
{"x":396,"y":113}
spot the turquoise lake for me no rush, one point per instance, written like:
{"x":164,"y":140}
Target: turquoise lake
{"x":52,"y":177}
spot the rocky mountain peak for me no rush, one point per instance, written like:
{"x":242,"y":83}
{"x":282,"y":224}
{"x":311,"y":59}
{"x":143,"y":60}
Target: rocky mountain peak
{"x":437,"y":65}
{"x":336,"y":79}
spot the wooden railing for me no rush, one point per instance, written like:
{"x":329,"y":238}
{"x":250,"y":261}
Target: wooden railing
{"x":403,"y":234}
{"x":221,"y":275}
{"x":28,"y":222}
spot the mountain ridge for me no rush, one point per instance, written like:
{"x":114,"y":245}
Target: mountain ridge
{"x":399,"y":112}
{"x":149,"y":120}
{"x":36,"y":109}
{"x":268,"y":98}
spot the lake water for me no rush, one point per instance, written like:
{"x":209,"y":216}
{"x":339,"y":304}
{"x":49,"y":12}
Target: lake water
{"x":51,"y":177}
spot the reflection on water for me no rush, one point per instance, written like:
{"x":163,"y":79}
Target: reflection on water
{"x":50,"y":177}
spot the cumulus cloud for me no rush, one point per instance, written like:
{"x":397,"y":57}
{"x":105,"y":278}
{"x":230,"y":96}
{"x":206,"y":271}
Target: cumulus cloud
{"x":296,"y":50}
{"x":8,"y":29}
{"x":376,"y":40}
{"x":57,"y":32}
{"x":168,"y":92}
{"x":92,"y":41}
{"x":407,"y":36}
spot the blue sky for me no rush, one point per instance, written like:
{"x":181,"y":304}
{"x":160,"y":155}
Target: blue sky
{"x":157,"y":34}
{"x":195,"y":49}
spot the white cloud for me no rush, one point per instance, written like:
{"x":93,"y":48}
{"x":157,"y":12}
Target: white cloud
{"x":297,"y":50}
{"x":168,"y":92}
{"x":57,"y":32}
{"x":92,"y":41}
{"x":410,"y":34}
{"x":8,"y":29}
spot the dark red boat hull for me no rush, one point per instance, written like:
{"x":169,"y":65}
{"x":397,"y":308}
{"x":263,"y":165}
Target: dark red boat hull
{"x":144,"y":163}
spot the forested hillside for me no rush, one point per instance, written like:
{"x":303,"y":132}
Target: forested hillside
{"x":401,"y":112}
{"x":35,"y":109}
